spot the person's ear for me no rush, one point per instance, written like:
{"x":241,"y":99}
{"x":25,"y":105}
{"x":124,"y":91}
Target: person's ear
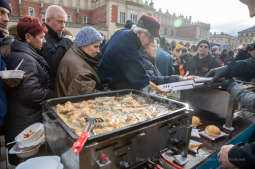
{"x":48,"y":20}
{"x":28,"y":37}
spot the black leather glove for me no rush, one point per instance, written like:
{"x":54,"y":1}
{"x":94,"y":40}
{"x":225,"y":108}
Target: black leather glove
{"x":227,"y":83}
{"x":218,"y":73}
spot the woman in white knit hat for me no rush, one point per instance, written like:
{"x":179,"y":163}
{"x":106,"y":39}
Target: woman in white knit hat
{"x":77,"y":72}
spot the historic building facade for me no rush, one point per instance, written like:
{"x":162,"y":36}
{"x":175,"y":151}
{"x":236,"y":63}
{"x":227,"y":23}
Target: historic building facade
{"x":110,"y":15}
{"x":224,"y":39}
{"x":246,"y":36}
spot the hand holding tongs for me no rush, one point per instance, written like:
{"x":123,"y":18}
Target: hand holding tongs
{"x":80,"y":142}
{"x":182,"y":85}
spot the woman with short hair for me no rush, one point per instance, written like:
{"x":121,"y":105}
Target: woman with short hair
{"x":77,"y":71}
{"x":24,"y":101}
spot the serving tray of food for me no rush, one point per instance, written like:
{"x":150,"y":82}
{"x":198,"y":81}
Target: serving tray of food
{"x":121,"y":111}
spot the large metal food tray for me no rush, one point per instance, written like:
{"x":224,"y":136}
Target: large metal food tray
{"x":51,"y":103}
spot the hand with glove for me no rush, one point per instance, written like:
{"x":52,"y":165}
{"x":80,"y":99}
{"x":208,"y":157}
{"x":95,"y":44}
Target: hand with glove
{"x":227,"y":84}
{"x":218,"y":73}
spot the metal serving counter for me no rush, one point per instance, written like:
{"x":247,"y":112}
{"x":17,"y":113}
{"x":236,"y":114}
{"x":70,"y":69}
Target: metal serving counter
{"x":133,"y":147}
{"x":124,"y":148}
{"x":208,"y":149}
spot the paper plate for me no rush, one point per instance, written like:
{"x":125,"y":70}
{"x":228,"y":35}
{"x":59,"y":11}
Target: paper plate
{"x":204,"y":133}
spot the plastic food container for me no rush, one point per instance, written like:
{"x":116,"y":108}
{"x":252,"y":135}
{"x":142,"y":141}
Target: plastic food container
{"x":44,"y":162}
{"x":12,"y":74}
{"x":32,"y":134}
{"x":24,"y":154}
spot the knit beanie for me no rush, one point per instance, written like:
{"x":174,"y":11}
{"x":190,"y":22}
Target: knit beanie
{"x":6,"y":5}
{"x":86,"y":36}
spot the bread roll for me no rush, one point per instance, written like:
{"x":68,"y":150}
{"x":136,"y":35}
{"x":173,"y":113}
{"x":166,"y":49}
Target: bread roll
{"x":212,"y":130}
{"x":195,"y":121}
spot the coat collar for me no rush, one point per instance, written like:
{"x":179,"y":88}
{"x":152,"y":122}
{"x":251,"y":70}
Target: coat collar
{"x":19,"y":46}
{"x":136,"y":39}
{"x":83,"y":55}
{"x":205,"y":58}
{"x":52,"y":33}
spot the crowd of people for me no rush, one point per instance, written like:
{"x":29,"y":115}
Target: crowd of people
{"x":56,"y":65}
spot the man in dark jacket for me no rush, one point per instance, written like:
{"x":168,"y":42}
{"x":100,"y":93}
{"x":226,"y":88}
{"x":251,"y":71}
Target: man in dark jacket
{"x":241,"y":155}
{"x":121,"y":66}
{"x":227,"y":59}
{"x":5,"y":11}
{"x":202,"y":62}
{"x":242,"y":53}
{"x":56,"y":44}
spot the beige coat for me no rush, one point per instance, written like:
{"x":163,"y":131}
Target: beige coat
{"x":77,"y":74}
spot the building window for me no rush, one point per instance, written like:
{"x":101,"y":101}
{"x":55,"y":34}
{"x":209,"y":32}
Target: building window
{"x":84,"y":19}
{"x":31,"y":11}
{"x":122,"y":17}
{"x":69,"y":18}
{"x":134,"y":17}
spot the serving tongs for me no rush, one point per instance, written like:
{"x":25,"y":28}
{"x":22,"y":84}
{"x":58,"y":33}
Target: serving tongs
{"x":182,"y":85}
{"x":80,"y":142}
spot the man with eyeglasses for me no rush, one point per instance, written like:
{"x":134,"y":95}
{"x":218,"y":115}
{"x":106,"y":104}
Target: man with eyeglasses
{"x":203,"y":61}
{"x":122,"y":63}
{"x":56,"y":44}
{"x":241,"y":155}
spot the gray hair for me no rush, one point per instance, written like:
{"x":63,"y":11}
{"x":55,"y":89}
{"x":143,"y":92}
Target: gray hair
{"x":53,"y":10}
{"x":137,"y":29}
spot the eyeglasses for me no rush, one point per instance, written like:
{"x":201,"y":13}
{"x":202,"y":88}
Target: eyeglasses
{"x":60,"y":21}
{"x":203,"y":46}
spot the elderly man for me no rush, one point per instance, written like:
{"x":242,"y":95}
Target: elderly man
{"x":56,"y":44}
{"x":241,"y":155}
{"x":202,"y":62}
{"x":122,"y":66}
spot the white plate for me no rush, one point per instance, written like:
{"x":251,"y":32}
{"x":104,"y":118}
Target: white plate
{"x":37,"y":128}
{"x":195,"y":133}
{"x":195,"y":148}
{"x":204,"y":133}
{"x":23,"y":154}
{"x":34,"y":143}
{"x":44,"y":162}
{"x":12,"y":74}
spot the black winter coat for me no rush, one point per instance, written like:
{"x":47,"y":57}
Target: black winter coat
{"x":24,"y":101}
{"x":242,"y":155}
{"x":200,"y":67}
{"x":227,"y":59}
{"x":53,"y":51}
{"x":154,"y":74}
{"x":243,"y":69}
{"x":242,"y":55}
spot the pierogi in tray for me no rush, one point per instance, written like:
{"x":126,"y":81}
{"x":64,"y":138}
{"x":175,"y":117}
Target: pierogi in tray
{"x":116,"y":111}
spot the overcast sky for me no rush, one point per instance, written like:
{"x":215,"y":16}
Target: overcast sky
{"x":229,"y":16}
